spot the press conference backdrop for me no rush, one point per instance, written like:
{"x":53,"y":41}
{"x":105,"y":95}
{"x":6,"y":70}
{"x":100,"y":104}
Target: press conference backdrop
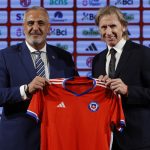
{"x":72,"y":25}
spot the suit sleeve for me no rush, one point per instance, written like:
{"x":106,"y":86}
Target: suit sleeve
{"x":7,"y":94}
{"x":139,"y":93}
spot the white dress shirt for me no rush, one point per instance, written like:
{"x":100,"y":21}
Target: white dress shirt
{"x":119,"y":49}
{"x":33,"y":56}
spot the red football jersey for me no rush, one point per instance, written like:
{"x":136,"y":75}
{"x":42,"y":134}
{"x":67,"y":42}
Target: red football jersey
{"x":76,"y":114}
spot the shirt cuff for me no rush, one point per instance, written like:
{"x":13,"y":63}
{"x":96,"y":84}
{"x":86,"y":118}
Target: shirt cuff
{"x":22,"y":92}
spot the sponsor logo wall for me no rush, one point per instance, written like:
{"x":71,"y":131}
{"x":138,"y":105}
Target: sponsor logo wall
{"x":73,"y":25}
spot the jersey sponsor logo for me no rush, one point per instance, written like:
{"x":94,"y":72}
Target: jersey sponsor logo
{"x":93,"y":106}
{"x":61,"y":105}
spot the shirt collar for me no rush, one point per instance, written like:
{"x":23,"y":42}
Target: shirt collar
{"x":118,"y":47}
{"x":32,"y":50}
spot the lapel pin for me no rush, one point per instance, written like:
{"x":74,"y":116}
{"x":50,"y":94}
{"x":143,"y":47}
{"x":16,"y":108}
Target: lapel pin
{"x":53,"y":57}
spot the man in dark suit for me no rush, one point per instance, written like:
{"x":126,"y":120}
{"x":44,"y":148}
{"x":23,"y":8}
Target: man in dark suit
{"x":131,"y":78}
{"x":18,"y":80}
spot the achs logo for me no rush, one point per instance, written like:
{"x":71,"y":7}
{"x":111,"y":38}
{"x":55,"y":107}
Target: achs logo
{"x":91,"y":47}
{"x":58,"y":2}
{"x":124,"y":2}
{"x":25,"y":3}
{"x":89,"y":61}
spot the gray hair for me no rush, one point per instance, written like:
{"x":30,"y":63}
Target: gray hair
{"x":36,"y":8}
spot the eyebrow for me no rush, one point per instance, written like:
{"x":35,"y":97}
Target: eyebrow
{"x":111,"y":25}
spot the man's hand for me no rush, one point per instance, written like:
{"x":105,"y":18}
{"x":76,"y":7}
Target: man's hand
{"x":104,"y":78}
{"x":37,"y":83}
{"x":118,"y":86}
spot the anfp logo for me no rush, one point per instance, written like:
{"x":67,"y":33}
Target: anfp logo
{"x":25,"y":3}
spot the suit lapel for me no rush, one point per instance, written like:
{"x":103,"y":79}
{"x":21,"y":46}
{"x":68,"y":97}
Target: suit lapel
{"x":124,"y":58}
{"x":102,"y":65}
{"x":55,"y":63}
{"x":26,"y":60}
{"x":52,"y":57}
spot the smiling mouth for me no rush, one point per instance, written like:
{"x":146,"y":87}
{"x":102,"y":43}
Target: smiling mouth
{"x":110,"y":38}
{"x":35,"y":34}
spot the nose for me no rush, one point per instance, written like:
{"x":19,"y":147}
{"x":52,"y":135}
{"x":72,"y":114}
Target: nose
{"x":35,"y":26}
{"x":108,"y":30}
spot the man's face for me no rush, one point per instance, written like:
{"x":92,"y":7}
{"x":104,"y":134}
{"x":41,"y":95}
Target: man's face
{"x":111,"y":29}
{"x":36,"y":27}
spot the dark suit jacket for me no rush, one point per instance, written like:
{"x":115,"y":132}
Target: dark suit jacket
{"x":17,"y":130}
{"x":134,"y":69}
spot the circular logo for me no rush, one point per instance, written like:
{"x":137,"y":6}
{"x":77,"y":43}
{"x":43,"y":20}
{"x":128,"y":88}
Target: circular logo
{"x":93,"y":106}
{"x":89,"y":61}
{"x":25,"y":3}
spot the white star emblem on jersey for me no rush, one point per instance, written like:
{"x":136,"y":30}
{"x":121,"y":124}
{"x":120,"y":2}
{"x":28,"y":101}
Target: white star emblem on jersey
{"x":61,"y":105}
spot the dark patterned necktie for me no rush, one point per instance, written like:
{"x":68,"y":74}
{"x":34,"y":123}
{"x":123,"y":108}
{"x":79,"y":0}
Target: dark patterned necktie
{"x":112,"y":62}
{"x":39,"y":65}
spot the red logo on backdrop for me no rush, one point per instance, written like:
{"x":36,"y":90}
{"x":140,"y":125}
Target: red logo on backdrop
{"x":89,"y":61}
{"x":25,"y":3}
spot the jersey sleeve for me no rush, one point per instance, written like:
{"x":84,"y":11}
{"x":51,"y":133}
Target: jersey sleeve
{"x":117,"y":117}
{"x":36,"y":106}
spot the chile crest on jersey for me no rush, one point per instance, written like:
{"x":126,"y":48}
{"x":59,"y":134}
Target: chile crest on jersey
{"x":93,"y":106}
